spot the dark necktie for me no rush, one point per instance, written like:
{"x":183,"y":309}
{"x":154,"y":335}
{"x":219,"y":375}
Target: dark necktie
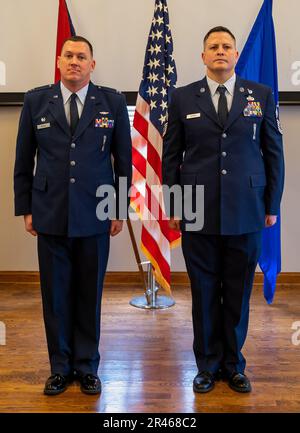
{"x":222,"y":105}
{"x":74,"y":117}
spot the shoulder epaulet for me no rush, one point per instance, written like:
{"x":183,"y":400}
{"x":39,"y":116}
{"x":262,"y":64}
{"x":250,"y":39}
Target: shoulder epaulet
{"x":109,"y":89}
{"x":36,"y":89}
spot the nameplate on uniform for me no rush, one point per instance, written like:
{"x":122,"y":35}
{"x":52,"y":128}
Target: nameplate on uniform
{"x":104,"y":122}
{"x":253,"y":109}
{"x":193,"y":115}
{"x":43,"y":126}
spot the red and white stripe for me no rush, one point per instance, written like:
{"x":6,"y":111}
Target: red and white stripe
{"x":156,"y":239}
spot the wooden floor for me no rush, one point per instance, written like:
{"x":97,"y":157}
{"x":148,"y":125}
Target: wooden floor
{"x":147,"y":361}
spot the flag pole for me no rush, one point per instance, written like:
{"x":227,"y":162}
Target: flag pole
{"x":137,"y":255}
{"x":150,"y":300}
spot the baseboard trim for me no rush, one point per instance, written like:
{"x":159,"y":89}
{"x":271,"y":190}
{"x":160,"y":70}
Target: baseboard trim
{"x":121,"y":279}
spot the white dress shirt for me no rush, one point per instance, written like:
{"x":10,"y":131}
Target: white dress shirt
{"x":229,"y":84}
{"x":66,"y":94}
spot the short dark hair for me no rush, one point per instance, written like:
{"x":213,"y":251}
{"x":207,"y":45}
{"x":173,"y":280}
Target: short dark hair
{"x":79,"y":39}
{"x":218,"y":29}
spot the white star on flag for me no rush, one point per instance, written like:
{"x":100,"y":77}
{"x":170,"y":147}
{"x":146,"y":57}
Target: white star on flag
{"x":164,"y":105}
{"x":158,"y":35}
{"x":170,"y":69}
{"x":152,"y":104}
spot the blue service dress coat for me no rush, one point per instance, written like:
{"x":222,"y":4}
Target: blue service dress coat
{"x":56,"y":179}
{"x":240,"y":165}
{"x":61,"y":193}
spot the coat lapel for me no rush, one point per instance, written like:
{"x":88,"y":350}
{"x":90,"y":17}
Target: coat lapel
{"x":204,"y":101}
{"x":56,"y":108}
{"x":239,"y":101}
{"x":90,"y":109}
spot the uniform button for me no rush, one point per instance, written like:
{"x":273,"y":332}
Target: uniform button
{"x":224,"y":154}
{"x":224,"y":135}
{"x":73,"y":145}
{"x":224,"y":171}
{"x":72,"y":180}
{"x":73,"y":163}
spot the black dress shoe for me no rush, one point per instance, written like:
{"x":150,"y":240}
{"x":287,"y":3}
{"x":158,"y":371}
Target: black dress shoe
{"x":239,"y":382}
{"x":204,"y":382}
{"x":56,"y":384}
{"x":90,"y":384}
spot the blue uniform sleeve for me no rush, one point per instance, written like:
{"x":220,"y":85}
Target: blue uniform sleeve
{"x":25,"y":160}
{"x":272,"y":150}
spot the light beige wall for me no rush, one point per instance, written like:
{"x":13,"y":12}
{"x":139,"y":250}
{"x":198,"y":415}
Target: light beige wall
{"x":18,"y":249}
{"x":119,"y":30}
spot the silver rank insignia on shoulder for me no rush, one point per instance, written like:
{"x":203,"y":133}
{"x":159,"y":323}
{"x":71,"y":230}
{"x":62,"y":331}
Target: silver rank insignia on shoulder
{"x":202,"y":90}
{"x":55,"y":96}
{"x":242,"y":89}
{"x":93,"y":97}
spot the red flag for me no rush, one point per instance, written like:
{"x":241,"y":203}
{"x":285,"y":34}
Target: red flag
{"x":65,"y":30}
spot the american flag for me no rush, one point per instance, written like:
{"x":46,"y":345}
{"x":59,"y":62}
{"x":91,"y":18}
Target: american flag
{"x":149,"y":125}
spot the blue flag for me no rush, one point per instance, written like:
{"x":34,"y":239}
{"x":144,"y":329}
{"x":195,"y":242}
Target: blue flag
{"x":258,"y":63}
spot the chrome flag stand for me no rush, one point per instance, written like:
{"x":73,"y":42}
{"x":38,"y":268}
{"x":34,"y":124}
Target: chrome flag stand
{"x":150,"y":300}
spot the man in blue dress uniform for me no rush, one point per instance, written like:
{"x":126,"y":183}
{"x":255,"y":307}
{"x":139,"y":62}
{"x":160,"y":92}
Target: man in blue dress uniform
{"x":223,"y":134}
{"x":68,"y":134}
